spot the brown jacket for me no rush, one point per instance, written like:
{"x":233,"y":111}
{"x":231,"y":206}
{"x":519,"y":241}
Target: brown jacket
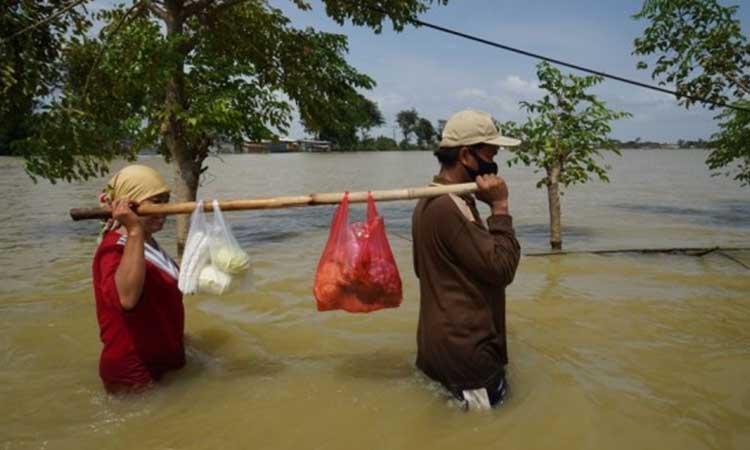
{"x":463,"y":269}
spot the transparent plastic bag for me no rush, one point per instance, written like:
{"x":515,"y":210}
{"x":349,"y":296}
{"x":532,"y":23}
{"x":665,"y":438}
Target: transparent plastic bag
{"x":226,"y":253}
{"x":196,"y":255}
{"x":213,"y":261}
{"x":357,"y":271}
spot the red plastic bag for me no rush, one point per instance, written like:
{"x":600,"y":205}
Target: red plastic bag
{"x":357,"y":271}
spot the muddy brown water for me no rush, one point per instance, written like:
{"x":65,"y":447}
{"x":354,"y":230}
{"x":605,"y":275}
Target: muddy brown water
{"x":607,"y":351}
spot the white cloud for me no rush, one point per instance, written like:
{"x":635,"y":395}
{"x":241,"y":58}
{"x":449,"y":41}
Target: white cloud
{"x":471,"y":93}
{"x":517,"y":86}
{"x":388,"y":100}
{"x":495,"y":104}
{"x":644,"y":99}
{"x":502,"y":97}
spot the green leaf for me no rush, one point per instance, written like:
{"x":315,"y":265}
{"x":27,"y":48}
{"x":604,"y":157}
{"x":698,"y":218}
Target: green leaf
{"x":233,"y":71}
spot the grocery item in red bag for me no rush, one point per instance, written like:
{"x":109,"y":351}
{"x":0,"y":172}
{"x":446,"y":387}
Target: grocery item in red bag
{"x":357,"y":271}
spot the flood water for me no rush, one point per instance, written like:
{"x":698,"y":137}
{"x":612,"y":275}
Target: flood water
{"x":616,"y":351}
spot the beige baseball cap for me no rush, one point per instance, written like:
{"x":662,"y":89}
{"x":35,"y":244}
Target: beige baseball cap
{"x":470,"y":127}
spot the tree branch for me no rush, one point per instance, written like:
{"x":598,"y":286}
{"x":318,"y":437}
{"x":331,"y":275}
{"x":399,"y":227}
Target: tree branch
{"x":739,"y":83}
{"x":188,"y":46}
{"x":159,"y":12}
{"x":52,"y":17}
{"x":196,"y":7}
{"x":125,"y":17}
{"x":201,"y":5}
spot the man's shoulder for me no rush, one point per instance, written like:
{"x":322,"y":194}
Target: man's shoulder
{"x":445,"y":207}
{"x":435,"y":205}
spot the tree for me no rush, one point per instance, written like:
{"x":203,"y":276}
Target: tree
{"x":372,"y":118}
{"x":411,"y":124}
{"x":407,"y":120}
{"x":732,"y":143}
{"x":179,"y":75}
{"x":441,"y":127}
{"x":380,"y":143}
{"x":425,"y":133}
{"x":701,"y":49}
{"x":564,"y":135}
{"x":356,"y":116}
{"x":30,"y":50}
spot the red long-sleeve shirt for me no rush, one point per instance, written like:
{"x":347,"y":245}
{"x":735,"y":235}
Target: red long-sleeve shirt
{"x":143,"y":343}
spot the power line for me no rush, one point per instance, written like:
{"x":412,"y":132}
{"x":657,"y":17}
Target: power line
{"x":446,"y":30}
{"x":563,"y":63}
{"x":46,"y":20}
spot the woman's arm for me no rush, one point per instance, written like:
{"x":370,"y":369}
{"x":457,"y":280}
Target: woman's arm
{"x":131,"y":272}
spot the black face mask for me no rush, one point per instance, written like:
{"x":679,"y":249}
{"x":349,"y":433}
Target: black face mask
{"x":485,"y":168}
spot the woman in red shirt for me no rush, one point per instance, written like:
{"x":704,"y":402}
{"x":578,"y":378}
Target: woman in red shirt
{"x":138,"y":304}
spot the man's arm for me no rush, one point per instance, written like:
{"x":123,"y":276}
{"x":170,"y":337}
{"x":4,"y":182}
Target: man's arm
{"x":493,"y":254}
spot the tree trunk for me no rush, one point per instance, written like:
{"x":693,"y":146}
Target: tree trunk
{"x":553,"y":197}
{"x":187,"y":175}
{"x":186,"y":165}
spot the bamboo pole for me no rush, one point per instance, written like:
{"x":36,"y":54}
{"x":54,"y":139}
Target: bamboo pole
{"x":328,"y":198}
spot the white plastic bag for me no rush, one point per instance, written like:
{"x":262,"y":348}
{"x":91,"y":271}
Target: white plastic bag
{"x":213,"y":261}
{"x":226,"y":253}
{"x":196,"y":255}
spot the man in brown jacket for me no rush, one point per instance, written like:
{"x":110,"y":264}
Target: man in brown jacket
{"x":464,"y":266}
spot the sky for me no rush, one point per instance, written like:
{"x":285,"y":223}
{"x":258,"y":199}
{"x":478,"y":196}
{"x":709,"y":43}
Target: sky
{"x":439,"y":74}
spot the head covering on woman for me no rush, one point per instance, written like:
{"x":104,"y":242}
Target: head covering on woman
{"x":137,"y":183}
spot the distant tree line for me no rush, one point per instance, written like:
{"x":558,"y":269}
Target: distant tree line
{"x":638,"y":143}
{"x":424,"y":135}
{"x":351,"y":131}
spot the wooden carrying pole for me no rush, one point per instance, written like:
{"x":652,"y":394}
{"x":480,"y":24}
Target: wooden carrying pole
{"x":329,"y":198}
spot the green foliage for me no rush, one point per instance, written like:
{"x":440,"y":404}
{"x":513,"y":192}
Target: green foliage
{"x":356,"y":116}
{"x":373,"y":116}
{"x":371,"y":13}
{"x":179,"y":77}
{"x":422,"y":129}
{"x":700,"y":48}
{"x":567,"y":129}
{"x":731,"y":145}
{"x":380,"y":143}
{"x":425,"y":133}
{"x":407,"y":120}
{"x":440,"y":128}
{"x":29,"y":60}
